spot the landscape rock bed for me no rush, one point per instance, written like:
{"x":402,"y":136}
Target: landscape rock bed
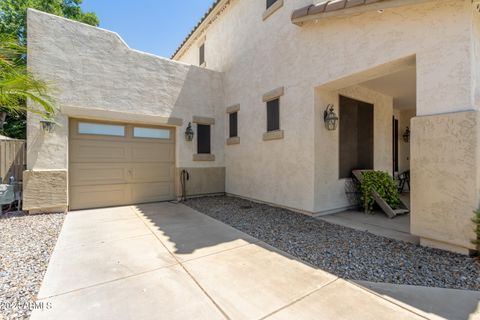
{"x":26,"y":243}
{"x":345,"y":252}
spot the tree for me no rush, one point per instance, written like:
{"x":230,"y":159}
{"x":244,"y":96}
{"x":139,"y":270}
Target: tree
{"x":13,"y":14}
{"x":13,"y":17}
{"x":17,"y":85}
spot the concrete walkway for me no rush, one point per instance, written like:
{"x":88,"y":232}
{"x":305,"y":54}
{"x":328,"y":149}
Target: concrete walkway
{"x":167,"y":261}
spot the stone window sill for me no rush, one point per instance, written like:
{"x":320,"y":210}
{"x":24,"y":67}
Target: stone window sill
{"x":203,"y":157}
{"x":233,"y":140}
{"x":277,"y":5}
{"x":273,"y":135}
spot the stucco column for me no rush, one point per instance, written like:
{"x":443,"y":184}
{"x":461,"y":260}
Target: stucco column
{"x":444,"y":179}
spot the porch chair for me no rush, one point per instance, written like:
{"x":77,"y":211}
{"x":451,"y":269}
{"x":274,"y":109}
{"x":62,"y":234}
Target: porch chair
{"x":403,"y":178}
{"x":7,"y":195}
{"x":391,"y":213}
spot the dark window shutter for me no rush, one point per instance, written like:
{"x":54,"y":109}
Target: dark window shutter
{"x":270,"y":3}
{"x":202,"y":54}
{"x":203,"y":138}
{"x":273,"y":115}
{"x":356,"y":136}
{"x":233,"y":124}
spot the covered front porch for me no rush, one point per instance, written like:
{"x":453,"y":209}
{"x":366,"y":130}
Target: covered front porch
{"x":391,"y":121}
{"x":375,"y":108}
{"x":399,"y":86}
{"x":377,"y":222}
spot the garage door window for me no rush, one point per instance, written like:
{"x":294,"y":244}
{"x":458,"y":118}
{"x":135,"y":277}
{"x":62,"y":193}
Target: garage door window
{"x":151,"y":133}
{"x":101,"y":129}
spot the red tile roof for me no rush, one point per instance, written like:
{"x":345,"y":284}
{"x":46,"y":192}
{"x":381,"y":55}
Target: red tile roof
{"x":329,"y":6}
{"x":205,"y":16}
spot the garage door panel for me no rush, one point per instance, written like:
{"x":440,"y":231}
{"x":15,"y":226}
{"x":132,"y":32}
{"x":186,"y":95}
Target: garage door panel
{"x":98,"y":151}
{"x":110,"y":171}
{"x":148,"y":152}
{"x":83,"y":174}
{"x":151,"y":172}
{"x":84,"y":197}
{"x":149,"y":192}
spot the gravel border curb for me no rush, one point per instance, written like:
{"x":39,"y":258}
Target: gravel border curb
{"x":345,"y":252}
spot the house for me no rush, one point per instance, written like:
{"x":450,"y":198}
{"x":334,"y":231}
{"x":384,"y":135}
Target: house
{"x":254,"y":80}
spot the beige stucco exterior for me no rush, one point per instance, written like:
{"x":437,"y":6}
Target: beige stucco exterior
{"x":95,"y":75}
{"x":250,"y":55}
{"x":321,"y":59}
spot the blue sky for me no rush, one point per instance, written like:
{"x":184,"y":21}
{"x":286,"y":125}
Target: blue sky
{"x":154,"y":26}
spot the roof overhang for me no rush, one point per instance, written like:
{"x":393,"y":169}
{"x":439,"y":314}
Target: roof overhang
{"x":215,"y":10}
{"x":335,"y":8}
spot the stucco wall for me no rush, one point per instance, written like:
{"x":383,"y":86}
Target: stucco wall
{"x":445,"y":166}
{"x":476,"y":51}
{"x":404,"y":117}
{"x":256,"y":56}
{"x":95,"y":75}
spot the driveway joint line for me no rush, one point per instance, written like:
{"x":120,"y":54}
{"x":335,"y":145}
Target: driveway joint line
{"x":392,"y":301}
{"x":109,"y":281}
{"x":298,"y":299}
{"x":183,"y":267}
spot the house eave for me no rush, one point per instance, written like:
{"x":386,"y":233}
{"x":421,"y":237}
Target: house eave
{"x":302,"y":15}
{"x":217,"y":8}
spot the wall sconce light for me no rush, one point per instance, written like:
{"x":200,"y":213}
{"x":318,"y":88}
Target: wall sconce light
{"x":189,"y":132}
{"x":48,"y":125}
{"x":406,"y":135}
{"x":330,"y":118}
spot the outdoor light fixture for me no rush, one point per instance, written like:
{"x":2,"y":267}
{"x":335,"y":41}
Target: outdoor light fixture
{"x":47,"y":125}
{"x":406,"y":135}
{"x":330,"y":118}
{"x":189,"y":132}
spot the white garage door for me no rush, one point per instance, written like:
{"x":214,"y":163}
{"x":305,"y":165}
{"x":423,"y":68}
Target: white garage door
{"x":115,"y":164}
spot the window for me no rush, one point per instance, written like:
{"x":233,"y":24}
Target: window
{"x":356,"y":136}
{"x":233,"y":117}
{"x":203,"y":139}
{"x":273,"y":115}
{"x":270,"y":3}
{"x":151,"y":133}
{"x":101,"y":129}
{"x":201,"y":54}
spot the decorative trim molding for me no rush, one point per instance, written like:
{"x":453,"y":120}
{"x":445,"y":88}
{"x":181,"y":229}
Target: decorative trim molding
{"x":273,"y":135}
{"x":216,"y":11}
{"x":274,"y":94}
{"x":274,"y":7}
{"x":119,"y":116}
{"x":201,"y":41}
{"x":203,"y":157}
{"x":234,"y":108}
{"x":203,"y":120}
{"x":233,"y":140}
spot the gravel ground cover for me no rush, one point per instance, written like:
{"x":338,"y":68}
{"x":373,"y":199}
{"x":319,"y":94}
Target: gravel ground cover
{"x":342,"y":251}
{"x":26,"y":243}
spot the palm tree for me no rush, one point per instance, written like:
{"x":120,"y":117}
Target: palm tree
{"x":17,"y":85}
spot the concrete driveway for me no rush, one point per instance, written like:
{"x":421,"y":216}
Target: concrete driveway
{"x":167,"y":261}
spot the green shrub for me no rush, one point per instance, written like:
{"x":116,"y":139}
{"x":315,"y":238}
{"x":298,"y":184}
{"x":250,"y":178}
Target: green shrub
{"x":476,"y":221}
{"x":383,"y":184}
